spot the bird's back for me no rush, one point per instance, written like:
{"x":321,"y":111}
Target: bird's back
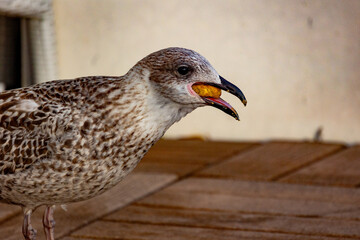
{"x":52,"y":127}
{"x":32,"y":118}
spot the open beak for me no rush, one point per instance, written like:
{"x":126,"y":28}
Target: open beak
{"x":220,"y":103}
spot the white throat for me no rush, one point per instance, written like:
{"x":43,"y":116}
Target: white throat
{"x":161,"y":112}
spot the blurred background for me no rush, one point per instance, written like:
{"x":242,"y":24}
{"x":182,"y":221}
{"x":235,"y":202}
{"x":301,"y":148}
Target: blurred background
{"x":297,"y":61}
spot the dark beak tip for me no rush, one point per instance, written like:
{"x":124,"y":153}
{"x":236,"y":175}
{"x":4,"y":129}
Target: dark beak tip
{"x":235,"y":115}
{"x":231,"y":88}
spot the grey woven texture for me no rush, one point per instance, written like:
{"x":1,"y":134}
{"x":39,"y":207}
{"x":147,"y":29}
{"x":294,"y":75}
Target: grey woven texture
{"x":24,"y":8}
{"x":35,"y":23}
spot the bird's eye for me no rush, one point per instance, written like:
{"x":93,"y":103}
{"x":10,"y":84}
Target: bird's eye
{"x":183,"y":70}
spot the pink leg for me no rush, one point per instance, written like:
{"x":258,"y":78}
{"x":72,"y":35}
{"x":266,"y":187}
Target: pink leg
{"x":49,"y":222}
{"x":28,"y":231}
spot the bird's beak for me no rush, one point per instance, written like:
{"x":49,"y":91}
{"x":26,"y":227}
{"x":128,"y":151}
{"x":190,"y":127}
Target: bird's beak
{"x":220,"y":103}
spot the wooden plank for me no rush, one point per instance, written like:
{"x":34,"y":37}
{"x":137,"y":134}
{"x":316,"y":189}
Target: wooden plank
{"x":219,"y":202}
{"x":7,"y":211}
{"x":179,"y":169}
{"x":353,"y":213}
{"x":250,"y":189}
{"x":237,"y":221}
{"x":193,"y":151}
{"x":184,"y":157}
{"x":270,"y":161}
{"x":131,"y":188}
{"x":342,"y":169}
{"x":274,"y":201}
{"x":123,"y":231}
{"x":199,"y":144}
{"x":75,"y":238}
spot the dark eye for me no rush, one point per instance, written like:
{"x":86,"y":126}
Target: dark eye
{"x":183,"y":70}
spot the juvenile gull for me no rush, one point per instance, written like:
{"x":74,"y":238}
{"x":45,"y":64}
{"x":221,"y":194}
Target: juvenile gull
{"x":70,"y":140}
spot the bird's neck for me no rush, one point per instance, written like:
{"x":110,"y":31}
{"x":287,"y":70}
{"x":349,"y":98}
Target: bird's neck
{"x":158,"y":113}
{"x":148,"y":113}
{"x":162,"y":113}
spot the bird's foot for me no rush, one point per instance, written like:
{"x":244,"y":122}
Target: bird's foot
{"x":49,"y":223}
{"x":28,"y":231}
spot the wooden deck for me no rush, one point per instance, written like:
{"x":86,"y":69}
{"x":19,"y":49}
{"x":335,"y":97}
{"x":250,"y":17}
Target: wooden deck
{"x":216,"y":190}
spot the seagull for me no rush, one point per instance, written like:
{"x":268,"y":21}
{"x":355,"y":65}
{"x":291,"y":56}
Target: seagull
{"x":70,"y":140}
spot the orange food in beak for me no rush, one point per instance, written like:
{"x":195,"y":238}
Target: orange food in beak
{"x":206,"y":90}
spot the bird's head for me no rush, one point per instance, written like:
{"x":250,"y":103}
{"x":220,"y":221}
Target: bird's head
{"x":188,"y":79}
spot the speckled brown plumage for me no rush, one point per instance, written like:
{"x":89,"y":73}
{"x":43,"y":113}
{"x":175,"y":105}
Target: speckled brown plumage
{"x":70,"y":140}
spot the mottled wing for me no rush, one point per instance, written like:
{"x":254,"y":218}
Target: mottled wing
{"x":26,"y":125}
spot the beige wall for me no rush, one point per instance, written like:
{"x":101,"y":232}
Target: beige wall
{"x":297,"y":61}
